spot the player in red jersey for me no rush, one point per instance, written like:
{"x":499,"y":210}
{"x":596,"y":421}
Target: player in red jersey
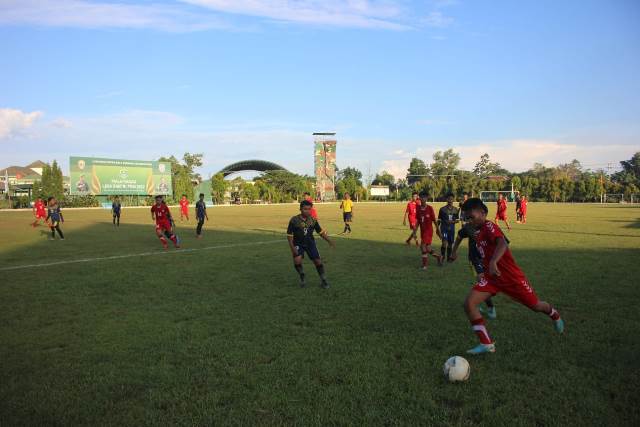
{"x":184,"y":207}
{"x":160,"y":213}
{"x":501,"y":213}
{"x":427,"y":221}
{"x":501,"y":274}
{"x":523,"y":209}
{"x":308,"y":197}
{"x":411,"y":213}
{"x":39,"y":212}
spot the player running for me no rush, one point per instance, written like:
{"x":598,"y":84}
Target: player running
{"x":411,"y":213}
{"x":116,"y":208}
{"x":300,"y":237}
{"x":161,"y":215}
{"x":427,"y":219}
{"x":518,"y":201}
{"x":523,"y":210}
{"x":39,"y":212}
{"x":448,"y":215}
{"x":468,"y":231}
{"x":184,"y":207}
{"x":201,"y":215}
{"x":501,"y":274}
{"x":306,"y":196}
{"x":347,"y":212}
{"x":54,"y":218}
{"x":501,"y":213}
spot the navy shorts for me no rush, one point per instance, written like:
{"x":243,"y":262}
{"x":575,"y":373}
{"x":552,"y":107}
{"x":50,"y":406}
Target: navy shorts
{"x":346,"y":216}
{"x":448,"y":233}
{"x":310,"y":248}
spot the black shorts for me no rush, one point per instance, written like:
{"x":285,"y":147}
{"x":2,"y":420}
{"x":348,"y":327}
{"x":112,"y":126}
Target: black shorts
{"x":116,"y":214}
{"x":310,"y":248}
{"x":346,"y":216}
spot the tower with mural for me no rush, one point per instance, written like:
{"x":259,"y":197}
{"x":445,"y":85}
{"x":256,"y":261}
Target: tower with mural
{"x":325,"y":165}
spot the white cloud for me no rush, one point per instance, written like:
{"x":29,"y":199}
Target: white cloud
{"x":337,"y":13}
{"x":437,"y":19}
{"x":94,"y":14}
{"x":61,"y":123}
{"x":517,"y":155}
{"x":14,"y":122}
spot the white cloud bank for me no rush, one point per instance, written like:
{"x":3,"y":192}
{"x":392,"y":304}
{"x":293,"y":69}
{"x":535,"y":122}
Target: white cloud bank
{"x":14,"y":122}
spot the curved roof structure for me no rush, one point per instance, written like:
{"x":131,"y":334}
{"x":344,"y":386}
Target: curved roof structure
{"x":251,"y":165}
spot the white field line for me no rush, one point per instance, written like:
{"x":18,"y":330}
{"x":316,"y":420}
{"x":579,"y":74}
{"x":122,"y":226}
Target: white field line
{"x":143,"y":254}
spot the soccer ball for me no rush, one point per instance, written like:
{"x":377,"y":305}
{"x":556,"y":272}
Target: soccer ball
{"x":457,"y":368}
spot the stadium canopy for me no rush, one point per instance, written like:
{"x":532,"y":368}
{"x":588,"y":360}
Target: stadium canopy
{"x":250,"y":165}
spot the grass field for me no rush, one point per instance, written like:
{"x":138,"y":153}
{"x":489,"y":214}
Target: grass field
{"x":220,"y":333}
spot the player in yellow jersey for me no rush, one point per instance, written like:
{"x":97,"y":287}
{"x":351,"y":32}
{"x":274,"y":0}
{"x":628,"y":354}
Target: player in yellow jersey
{"x":347,"y":212}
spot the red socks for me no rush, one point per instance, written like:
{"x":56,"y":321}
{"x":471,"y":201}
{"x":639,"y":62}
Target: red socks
{"x":481,"y":331}
{"x":425,"y":259}
{"x":553,"y":314}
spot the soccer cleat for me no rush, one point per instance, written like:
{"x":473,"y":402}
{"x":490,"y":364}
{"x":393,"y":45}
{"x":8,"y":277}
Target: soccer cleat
{"x":492,"y":314}
{"x":324,"y":285}
{"x":559,"y":325}
{"x":440,"y":260}
{"x":303,"y":283}
{"x":177,"y":244}
{"x":482,"y":349}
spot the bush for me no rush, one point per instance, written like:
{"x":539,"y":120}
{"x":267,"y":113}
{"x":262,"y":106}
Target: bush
{"x":80,"y":202}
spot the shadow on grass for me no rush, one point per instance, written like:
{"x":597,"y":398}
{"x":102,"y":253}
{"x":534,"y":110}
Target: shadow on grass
{"x":219,"y":333}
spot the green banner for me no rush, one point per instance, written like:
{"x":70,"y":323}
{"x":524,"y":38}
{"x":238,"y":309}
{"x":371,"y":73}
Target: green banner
{"x":107,"y":177}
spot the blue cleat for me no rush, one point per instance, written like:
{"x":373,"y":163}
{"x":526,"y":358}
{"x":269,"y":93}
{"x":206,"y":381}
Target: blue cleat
{"x":490,"y":312}
{"x":482,"y":349}
{"x":559,"y":325}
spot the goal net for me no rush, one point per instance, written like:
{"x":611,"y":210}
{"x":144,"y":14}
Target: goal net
{"x":613,"y":198}
{"x":492,"y":196}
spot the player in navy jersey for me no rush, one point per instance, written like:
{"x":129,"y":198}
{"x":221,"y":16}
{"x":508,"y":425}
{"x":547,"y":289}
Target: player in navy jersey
{"x":54,"y":218}
{"x":301,"y":241}
{"x":448,"y":216}
{"x":116,"y":207}
{"x":201,"y":215}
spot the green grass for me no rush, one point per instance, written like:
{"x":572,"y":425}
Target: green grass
{"x":225,"y":336}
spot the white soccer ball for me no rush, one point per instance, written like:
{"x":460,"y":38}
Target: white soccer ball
{"x":457,"y":368}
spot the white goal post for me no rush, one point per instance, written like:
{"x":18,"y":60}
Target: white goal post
{"x":492,"y":196}
{"x":634,"y":198}
{"x":613,"y":198}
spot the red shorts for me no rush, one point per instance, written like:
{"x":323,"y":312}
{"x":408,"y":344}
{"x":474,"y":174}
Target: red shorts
{"x":42,"y":215}
{"x":163,"y":226}
{"x":426,"y":236}
{"x":184,"y":211}
{"x":518,"y":289}
{"x":413,"y":223}
{"x":502,"y":216}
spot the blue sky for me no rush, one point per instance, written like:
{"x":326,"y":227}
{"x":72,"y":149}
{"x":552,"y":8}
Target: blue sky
{"x":535,"y":81}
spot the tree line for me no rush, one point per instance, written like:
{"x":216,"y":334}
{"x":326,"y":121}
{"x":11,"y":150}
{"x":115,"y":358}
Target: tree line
{"x":570,"y":182}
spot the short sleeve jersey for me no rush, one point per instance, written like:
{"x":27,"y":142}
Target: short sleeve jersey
{"x":54,"y":213}
{"x":523,"y":205}
{"x":347,"y":205}
{"x":39,"y":206}
{"x":162,"y":213}
{"x":502,"y":205}
{"x":426,"y":216}
{"x":412,"y":209}
{"x":184,"y":204}
{"x":486,"y":239}
{"x":448,"y":213}
{"x":302,"y":230}
{"x":116,"y":206}
{"x":201,"y":209}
